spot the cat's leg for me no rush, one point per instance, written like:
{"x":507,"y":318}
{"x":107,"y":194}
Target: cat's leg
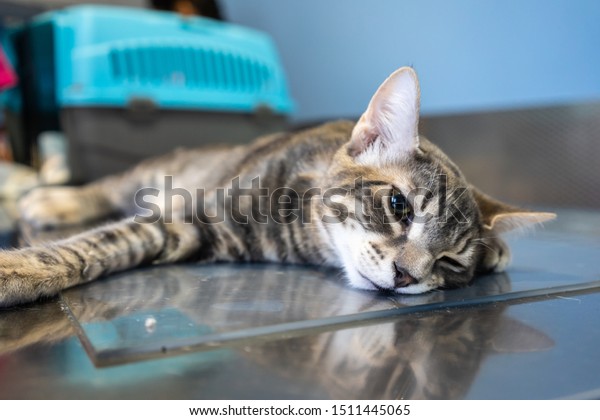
{"x":49,"y":207}
{"x":29,"y":273}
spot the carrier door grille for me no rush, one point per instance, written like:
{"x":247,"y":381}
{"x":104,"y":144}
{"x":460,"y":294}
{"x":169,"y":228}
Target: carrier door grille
{"x":201,"y":68}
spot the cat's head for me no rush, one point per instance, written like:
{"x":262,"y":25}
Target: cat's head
{"x":404,"y":217}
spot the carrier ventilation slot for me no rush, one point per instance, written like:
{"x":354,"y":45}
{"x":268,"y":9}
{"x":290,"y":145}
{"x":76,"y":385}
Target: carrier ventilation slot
{"x":190,"y":67}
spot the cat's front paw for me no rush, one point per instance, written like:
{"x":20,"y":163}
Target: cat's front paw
{"x":496,"y":255}
{"x":16,"y":273}
{"x":30,"y":273}
{"x":44,"y":208}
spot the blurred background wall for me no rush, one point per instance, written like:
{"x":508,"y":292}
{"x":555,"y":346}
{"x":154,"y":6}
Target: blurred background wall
{"x":471,"y":55}
{"x":510,"y":89}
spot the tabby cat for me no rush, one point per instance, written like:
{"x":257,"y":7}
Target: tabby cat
{"x":371,"y":197}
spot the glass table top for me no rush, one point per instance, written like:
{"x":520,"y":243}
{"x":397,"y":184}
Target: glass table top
{"x":541,"y":348}
{"x":163,"y":311}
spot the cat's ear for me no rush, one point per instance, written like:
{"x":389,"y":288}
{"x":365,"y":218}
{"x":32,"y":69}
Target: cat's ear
{"x":512,"y":336}
{"x":499,"y":217}
{"x":387,"y":132}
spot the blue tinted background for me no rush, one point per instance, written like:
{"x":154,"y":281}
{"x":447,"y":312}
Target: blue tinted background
{"x":471,"y":55}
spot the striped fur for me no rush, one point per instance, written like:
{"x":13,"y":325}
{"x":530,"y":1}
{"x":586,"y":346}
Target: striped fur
{"x":317,"y":196}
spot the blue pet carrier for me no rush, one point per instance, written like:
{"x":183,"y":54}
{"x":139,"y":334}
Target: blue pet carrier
{"x":132,"y":83}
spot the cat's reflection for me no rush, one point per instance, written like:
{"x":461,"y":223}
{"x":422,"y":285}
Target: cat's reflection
{"x":431,"y":354}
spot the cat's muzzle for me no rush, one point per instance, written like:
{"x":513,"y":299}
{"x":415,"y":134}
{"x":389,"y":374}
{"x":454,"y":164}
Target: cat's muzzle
{"x":402,"y":278}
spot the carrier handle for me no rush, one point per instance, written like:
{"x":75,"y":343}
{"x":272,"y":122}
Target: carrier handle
{"x":198,"y":24}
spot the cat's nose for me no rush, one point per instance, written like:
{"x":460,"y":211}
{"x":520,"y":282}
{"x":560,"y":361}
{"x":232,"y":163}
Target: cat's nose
{"x":402,"y":278}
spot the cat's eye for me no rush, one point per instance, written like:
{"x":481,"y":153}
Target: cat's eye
{"x":401,"y":208}
{"x":452,"y":264}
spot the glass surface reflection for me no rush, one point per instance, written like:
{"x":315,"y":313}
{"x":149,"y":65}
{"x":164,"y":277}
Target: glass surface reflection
{"x":428,"y":356}
{"x":158,"y":311}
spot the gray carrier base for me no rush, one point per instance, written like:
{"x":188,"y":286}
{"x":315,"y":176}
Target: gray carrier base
{"x":103,"y":141}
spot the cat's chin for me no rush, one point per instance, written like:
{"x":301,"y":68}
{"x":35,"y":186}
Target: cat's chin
{"x":360,"y":281}
{"x":415,"y":289}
